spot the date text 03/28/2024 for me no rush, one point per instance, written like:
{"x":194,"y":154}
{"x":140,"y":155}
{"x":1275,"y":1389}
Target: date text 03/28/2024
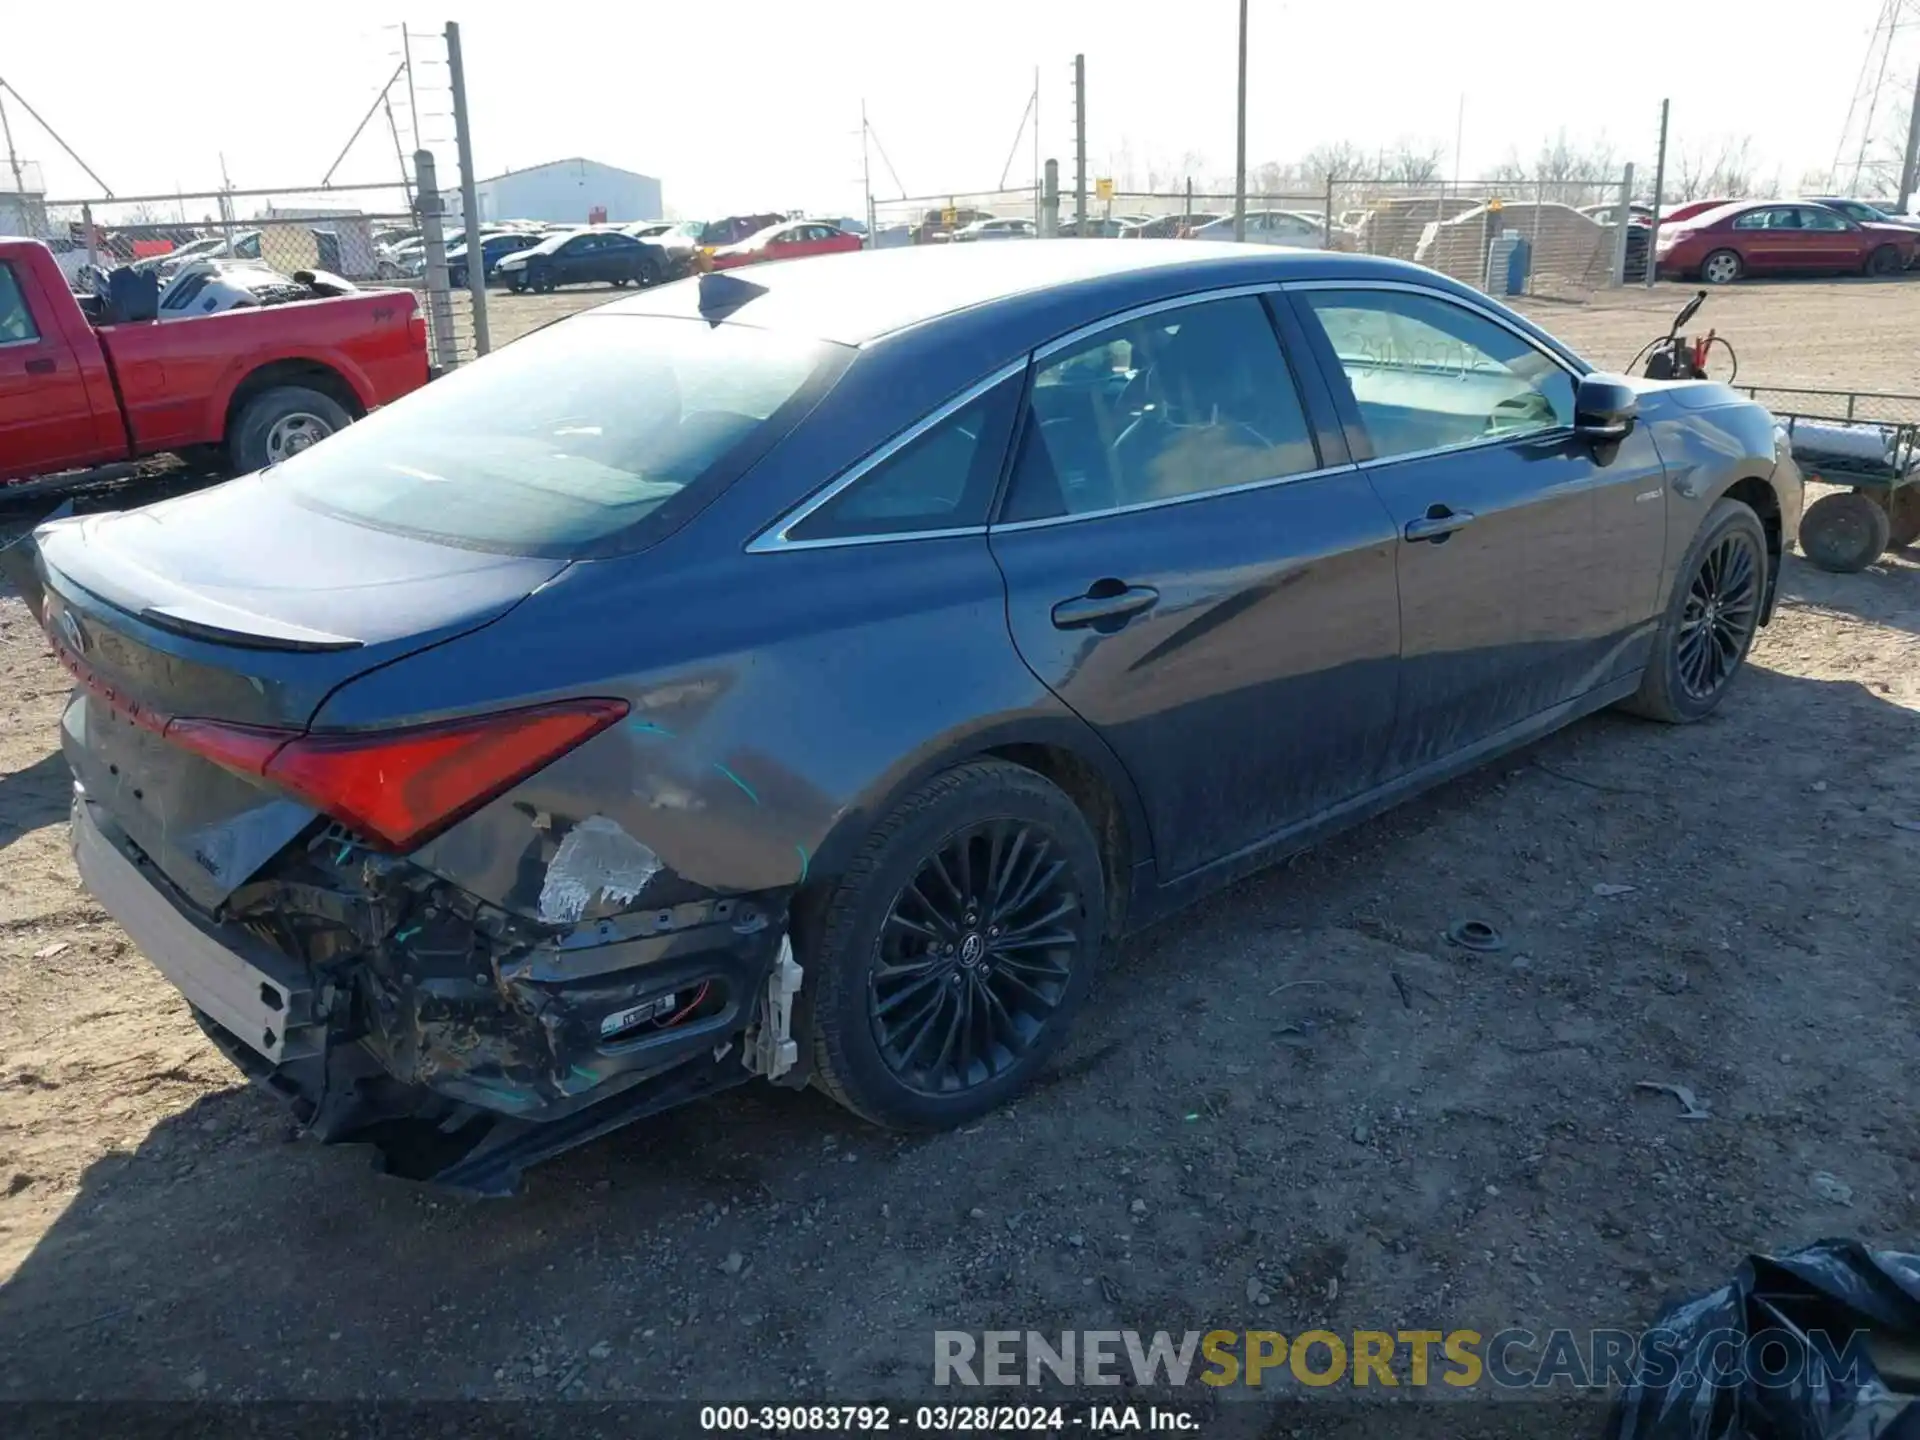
{"x":945,"y":1419}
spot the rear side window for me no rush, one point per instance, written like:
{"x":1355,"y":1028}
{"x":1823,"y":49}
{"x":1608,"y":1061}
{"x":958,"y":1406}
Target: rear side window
{"x":563,"y":439}
{"x":1168,"y":405}
{"x":942,"y":478}
{"x":16,"y":321}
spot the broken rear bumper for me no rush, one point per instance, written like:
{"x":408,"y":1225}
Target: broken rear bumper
{"x":462,"y":1064}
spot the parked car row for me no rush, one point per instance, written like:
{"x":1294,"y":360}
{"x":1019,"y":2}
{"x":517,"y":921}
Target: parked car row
{"x":1727,"y":241}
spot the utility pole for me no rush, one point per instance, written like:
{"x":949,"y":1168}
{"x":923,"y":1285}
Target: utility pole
{"x":866,"y":172}
{"x":1240,"y":139}
{"x":469,"y":198}
{"x":13,"y":160}
{"x":1080,"y":144}
{"x":1910,"y":165}
{"x":413,"y":101}
{"x":1659,"y":191}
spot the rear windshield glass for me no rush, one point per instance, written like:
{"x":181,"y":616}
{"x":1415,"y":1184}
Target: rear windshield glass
{"x":566,"y":437}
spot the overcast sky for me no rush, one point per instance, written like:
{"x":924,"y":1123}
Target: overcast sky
{"x":754,"y":104}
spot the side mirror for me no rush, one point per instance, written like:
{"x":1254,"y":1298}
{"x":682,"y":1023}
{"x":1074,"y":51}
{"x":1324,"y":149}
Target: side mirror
{"x":1605,"y":409}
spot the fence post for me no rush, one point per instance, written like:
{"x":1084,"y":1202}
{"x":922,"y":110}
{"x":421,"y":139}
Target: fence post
{"x":93,"y":243}
{"x":434,"y":242}
{"x":1327,"y":238}
{"x":1623,"y":221}
{"x":1050,"y":202}
{"x":1539,"y":204}
{"x":469,"y":200}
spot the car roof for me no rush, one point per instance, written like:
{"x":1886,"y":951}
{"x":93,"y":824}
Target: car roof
{"x":853,"y":299}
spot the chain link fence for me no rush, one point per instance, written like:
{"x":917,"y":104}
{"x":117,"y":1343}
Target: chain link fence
{"x":1573,"y":241}
{"x":210,"y":251}
{"x":1558,"y":238}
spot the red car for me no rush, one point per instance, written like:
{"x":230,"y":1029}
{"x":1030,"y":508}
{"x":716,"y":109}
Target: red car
{"x":1768,"y":237}
{"x":1692,"y":208}
{"x":788,"y":241}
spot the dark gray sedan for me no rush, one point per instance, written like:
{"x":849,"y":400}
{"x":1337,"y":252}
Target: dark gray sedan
{"x":808,"y":676}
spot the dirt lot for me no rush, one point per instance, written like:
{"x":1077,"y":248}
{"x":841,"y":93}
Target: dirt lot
{"x":1297,"y":1091}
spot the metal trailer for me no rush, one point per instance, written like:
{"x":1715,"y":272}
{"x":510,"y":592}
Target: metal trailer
{"x":1867,"y":441}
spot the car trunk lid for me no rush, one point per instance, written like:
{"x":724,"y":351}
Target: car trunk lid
{"x":235,"y":605}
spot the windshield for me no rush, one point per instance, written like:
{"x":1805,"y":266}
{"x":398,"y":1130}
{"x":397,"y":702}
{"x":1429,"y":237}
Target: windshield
{"x":566,"y":437}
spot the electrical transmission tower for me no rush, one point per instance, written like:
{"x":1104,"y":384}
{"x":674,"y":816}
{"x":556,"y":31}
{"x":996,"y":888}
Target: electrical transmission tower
{"x":1870,"y":158}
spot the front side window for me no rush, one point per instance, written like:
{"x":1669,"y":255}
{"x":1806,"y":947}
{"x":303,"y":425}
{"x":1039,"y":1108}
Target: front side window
{"x":1427,"y":374}
{"x":942,"y":479}
{"x":1172,"y":404}
{"x":16,"y":321}
{"x":1812,"y":219}
{"x":566,"y":437}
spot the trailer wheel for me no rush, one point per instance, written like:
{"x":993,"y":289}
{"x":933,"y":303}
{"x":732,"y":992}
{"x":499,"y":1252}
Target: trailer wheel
{"x":1844,"y":532}
{"x":281,"y":422}
{"x":1903,"y":515}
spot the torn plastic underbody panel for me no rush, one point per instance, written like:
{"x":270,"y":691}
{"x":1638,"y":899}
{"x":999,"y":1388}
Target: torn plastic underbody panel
{"x":466,"y":1043}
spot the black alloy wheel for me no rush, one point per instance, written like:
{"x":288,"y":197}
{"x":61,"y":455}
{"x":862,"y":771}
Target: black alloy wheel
{"x":1719,"y":592}
{"x":947,"y":960}
{"x":1721,"y":612}
{"x":976,"y":954}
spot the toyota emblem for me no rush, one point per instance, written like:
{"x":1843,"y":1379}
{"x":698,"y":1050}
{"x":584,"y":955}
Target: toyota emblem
{"x":70,"y":629}
{"x":971,"y":948}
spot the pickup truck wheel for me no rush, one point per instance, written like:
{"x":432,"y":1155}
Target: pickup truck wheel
{"x":281,"y":422}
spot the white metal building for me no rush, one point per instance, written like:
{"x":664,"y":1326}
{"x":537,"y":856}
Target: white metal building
{"x":573,"y":191}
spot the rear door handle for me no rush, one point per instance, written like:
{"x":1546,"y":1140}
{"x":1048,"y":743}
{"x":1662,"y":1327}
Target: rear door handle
{"x":1438,"y":523}
{"x":41,"y":366}
{"x":1104,"y":600}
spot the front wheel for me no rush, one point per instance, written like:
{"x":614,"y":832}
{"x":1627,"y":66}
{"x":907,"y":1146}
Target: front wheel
{"x":1722,"y":267}
{"x":1711,"y":618}
{"x":957,"y":948}
{"x":1884,"y":261}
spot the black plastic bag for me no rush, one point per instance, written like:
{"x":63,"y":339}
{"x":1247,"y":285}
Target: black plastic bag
{"x":1819,"y":1344}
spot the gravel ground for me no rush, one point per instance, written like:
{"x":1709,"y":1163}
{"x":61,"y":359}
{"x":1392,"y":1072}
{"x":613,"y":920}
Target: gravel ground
{"x":1292,"y":1106}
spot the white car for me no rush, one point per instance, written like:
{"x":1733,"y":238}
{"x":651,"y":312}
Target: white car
{"x":997,"y":229}
{"x":1271,"y":227}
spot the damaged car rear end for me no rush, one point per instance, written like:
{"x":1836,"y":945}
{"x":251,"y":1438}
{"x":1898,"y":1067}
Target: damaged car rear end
{"x":400,"y":878}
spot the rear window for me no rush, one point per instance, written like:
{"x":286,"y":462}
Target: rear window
{"x":570,"y":436}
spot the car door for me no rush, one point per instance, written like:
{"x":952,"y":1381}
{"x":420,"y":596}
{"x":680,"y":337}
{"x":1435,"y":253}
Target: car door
{"x":575,"y":260}
{"x":1527,"y":563}
{"x":1833,"y":243}
{"x":1194,"y":568}
{"x":619,"y":257}
{"x":46,"y":416}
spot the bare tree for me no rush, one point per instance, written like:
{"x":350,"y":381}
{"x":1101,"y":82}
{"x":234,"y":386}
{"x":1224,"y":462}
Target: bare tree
{"x":1718,"y":167}
{"x":1412,"y":163}
{"x":1336,"y":162}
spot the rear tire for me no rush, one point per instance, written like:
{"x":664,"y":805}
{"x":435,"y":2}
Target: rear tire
{"x":1844,"y":532}
{"x":894,"y":975}
{"x":1722,"y":267}
{"x":1711,"y":619}
{"x":281,"y":422}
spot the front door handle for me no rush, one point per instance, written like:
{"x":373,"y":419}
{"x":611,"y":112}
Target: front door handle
{"x":41,"y":366}
{"x":1438,"y":523}
{"x":1104,"y":600}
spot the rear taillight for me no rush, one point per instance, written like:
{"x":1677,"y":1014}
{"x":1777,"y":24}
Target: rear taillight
{"x":400,"y":788}
{"x":417,"y":328}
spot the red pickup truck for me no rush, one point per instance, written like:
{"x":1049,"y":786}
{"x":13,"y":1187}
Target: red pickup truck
{"x":257,"y":384}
